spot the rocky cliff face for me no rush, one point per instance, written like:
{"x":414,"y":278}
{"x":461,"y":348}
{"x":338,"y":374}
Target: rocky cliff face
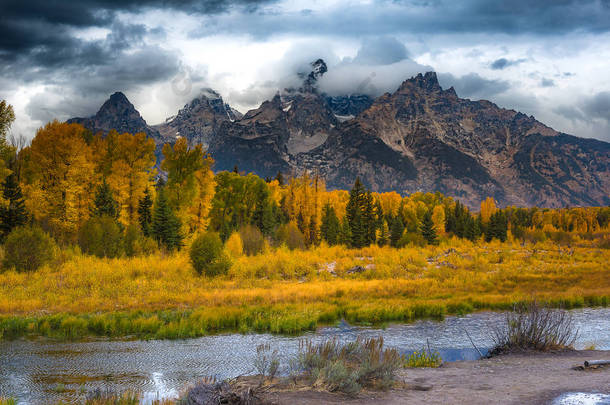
{"x":419,"y":138}
{"x":119,"y":114}
{"x":199,"y":120}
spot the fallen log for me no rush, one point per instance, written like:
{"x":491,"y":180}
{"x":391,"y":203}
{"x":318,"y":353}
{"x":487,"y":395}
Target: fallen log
{"x":589,"y":363}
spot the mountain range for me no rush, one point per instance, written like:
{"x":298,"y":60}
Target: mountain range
{"x":419,"y":138}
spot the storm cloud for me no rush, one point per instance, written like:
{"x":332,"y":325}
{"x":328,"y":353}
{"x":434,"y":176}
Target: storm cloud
{"x":63,"y":58}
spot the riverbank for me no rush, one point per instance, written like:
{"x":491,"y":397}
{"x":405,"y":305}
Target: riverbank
{"x":289,"y":292}
{"x":530,"y":378}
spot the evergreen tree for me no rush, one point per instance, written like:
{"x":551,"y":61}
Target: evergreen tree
{"x":330,"y":228}
{"x":497,"y":227}
{"x":104,"y":203}
{"x":427,"y":229}
{"x":384,"y":234}
{"x":473,"y":230}
{"x":165,"y":224}
{"x":279,"y":178}
{"x":345,"y":235}
{"x":370,"y":218}
{"x":313,"y":231}
{"x":14,"y":213}
{"x":356,"y":216}
{"x":145,"y":213}
{"x":396,"y":231}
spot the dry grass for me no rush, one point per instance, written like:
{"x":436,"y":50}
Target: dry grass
{"x":535,"y":327}
{"x":285,"y":291}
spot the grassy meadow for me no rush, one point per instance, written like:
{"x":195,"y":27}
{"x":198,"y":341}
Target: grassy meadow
{"x":292,"y":291}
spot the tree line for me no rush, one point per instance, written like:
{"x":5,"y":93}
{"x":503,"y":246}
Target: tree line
{"x":106,"y":195}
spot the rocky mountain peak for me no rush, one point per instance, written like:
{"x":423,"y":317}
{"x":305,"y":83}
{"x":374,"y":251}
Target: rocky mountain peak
{"x":117,"y":103}
{"x":119,"y":114}
{"x":427,"y":82}
{"x":318,"y":68}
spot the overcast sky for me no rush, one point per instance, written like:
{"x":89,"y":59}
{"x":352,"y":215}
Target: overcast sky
{"x":547,"y":58}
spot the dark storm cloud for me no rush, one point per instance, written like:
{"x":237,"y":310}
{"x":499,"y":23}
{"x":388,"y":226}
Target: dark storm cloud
{"x":503,"y":63}
{"x":473,"y":86}
{"x":595,"y":107}
{"x":391,"y":17}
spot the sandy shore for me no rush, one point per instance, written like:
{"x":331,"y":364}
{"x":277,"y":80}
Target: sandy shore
{"x":511,"y":379}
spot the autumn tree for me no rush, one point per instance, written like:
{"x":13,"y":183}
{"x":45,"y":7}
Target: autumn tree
{"x":7,"y":152}
{"x":57,"y":177}
{"x":488,"y":208}
{"x":126,"y":162}
{"x":190,"y":182}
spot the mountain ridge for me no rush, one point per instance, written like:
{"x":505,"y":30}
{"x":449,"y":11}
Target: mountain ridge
{"x":418,"y":138}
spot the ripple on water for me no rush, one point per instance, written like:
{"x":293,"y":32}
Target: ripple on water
{"x":582,"y":398}
{"x":31,"y":370}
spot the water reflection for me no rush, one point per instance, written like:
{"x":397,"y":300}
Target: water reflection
{"x":43,"y":371}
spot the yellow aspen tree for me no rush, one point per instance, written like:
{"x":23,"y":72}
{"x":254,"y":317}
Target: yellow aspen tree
{"x":488,"y":208}
{"x":58,"y":177}
{"x":438,"y":217}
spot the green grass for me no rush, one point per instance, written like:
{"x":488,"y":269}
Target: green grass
{"x":278,"y":319}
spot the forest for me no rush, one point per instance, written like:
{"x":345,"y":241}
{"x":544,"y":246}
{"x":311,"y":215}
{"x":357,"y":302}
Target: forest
{"x":99,"y":239}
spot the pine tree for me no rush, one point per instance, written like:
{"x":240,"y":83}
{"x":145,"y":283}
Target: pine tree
{"x":165,"y":224}
{"x":427,"y":229}
{"x":384,"y":234}
{"x":145,"y":213}
{"x":279,"y":178}
{"x":313,"y":236}
{"x":330,"y":228}
{"x":396,"y":231}
{"x":14,"y":213}
{"x":345,"y":234}
{"x":370,"y":218}
{"x":104,"y":203}
{"x":355,"y":213}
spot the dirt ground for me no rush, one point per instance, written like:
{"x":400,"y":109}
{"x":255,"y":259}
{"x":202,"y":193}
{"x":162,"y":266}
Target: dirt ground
{"x":510,"y":379}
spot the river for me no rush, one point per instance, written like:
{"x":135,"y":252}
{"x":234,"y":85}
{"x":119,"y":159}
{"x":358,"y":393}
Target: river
{"x":41,"y":371}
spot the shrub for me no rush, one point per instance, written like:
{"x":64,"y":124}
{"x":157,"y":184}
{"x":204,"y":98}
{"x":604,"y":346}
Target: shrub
{"x":28,"y":248}
{"x":252,"y":239}
{"x":101,"y":237}
{"x":424,"y":359}
{"x":412,"y":238}
{"x":207,"y":255}
{"x":234,"y":245}
{"x":291,"y":236}
{"x":534,"y":327}
{"x":347,"y":368}
{"x":136,"y":244}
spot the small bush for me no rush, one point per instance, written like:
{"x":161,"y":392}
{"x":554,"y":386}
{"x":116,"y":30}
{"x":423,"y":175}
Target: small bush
{"x":266,"y":362}
{"x":101,"y":237}
{"x":291,"y":236}
{"x":534,"y":327}
{"x":412,"y":238}
{"x":252,"y":239}
{"x":348,"y":368}
{"x":234,"y":245}
{"x":424,"y":359}
{"x":136,"y":244}
{"x":207,"y":255}
{"x":28,"y":248}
